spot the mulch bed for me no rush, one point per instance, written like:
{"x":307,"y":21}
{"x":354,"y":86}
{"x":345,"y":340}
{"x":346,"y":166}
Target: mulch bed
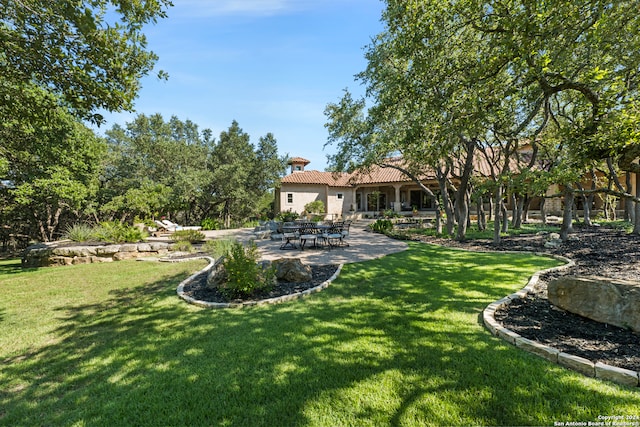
{"x":597,"y":251}
{"x":320,"y":273}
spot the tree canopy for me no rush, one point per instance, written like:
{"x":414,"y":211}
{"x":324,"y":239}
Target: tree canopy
{"x":447,"y":78}
{"x":90,"y":53}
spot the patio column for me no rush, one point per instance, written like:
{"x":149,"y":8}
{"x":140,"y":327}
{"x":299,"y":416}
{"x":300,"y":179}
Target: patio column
{"x":397,"y":206}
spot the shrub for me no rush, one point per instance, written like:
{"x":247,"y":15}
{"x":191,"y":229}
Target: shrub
{"x":117,"y":232}
{"x":287,"y":216}
{"x":211,"y":224}
{"x":219,"y":247}
{"x":245,"y":277}
{"x":382,"y":226}
{"x":191,"y":236}
{"x":79,"y":233}
{"x":183,"y":246}
{"x":317,"y":206}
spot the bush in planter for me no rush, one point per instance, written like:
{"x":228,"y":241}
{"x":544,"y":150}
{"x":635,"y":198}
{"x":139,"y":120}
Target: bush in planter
{"x":191,"y":236}
{"x":245,"y":277}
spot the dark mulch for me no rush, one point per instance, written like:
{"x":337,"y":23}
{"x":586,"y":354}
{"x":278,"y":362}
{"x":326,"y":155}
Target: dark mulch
{"x":320,"y":273}
{"x":597,"y":251}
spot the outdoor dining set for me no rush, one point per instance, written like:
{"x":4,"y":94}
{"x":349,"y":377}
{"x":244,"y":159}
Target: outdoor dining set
{"x":315,"y":235}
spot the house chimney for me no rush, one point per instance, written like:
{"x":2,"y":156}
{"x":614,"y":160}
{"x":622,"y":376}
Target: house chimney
{"x":298,"y":164}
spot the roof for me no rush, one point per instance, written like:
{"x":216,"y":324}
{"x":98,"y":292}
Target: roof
{"x":298,"y":160}
{"x":376,"y":174}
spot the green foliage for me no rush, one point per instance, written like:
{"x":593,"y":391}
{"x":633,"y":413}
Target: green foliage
{"x":183,"y":246}
{"x":245,"y":277}
{"x":191,"y":236}
{"x":390,"y":213}
{"x":317,"y":206}
{"x":382,"y":226}
{"x":117,"y":232}
{"x":211,"y":224}
{"x":218,"y":247}
{"x":287,"y":216}
{"x":79,"y":233}
{"x":92,"y":59}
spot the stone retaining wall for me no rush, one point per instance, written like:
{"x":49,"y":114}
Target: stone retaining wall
{"x":61,"y":253}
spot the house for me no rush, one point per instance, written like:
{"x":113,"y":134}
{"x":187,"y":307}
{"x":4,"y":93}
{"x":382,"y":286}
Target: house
{"x":368,"y":194}
{"x":352,"y":195}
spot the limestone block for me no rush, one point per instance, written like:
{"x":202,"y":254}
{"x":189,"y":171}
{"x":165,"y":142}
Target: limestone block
{"x":101,"y":259}
{"x":129,"y":247}
{"x":542,"y":350}
{"x":60,"y":260}
{"x":81,"y":260}
{"x":158,"y":246}
{"x":107,"y":250}
{"x":120,"y":256}
{"x":617,"y":375}
{"x":616,"y":302}
{"x":144,"y":247}
{"x":577,"y":363}
{"x":72,"y":251}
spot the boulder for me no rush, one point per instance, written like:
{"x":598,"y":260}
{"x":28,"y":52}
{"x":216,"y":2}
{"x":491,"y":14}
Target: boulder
{"x":611,"y":301}
{"x":292,"y":270}
{"x":217,"y":274}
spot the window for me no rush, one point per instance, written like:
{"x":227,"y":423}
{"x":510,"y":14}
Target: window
{"x":289,"y":198}
{"x":298,"y":167}
{"x":340,"y":196}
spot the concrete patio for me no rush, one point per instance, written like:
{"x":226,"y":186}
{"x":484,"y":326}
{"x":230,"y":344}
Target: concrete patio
{"x":363,"y":245}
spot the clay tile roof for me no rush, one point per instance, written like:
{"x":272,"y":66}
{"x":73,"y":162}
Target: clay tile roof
{"x":298,"y":160}
{"x":317,"y":177}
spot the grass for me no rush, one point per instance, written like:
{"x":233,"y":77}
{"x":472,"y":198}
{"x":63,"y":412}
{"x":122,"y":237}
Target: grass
{"x":394,"y":341}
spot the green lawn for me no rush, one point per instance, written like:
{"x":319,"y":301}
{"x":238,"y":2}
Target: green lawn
{"x":395,"y":341}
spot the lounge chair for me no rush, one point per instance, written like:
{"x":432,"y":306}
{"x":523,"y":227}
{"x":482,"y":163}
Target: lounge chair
{"x":172,"y":226}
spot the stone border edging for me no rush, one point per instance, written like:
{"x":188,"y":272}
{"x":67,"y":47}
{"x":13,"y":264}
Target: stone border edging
{"x":275,"y":300}
{"x":580,"y":364}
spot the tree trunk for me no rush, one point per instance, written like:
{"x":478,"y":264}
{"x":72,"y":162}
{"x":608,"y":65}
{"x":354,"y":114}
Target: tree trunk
{"x":567,"y":217}
{"x":517,"y":212}
{"x":462,"y":207}
{"x":482,"y":220}
{"x":496,"y":223}
{"x":629,"y":206}
{"x":636,"y":222}
{"x":505,"y":217}
{"x":526,"y":204}
{"x":543,"y":211}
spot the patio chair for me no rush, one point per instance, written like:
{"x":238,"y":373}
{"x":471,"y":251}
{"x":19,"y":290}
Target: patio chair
{"x":290,"y":234}
{"x":309,"y":232}
{"x":345,"y":233}
{"x":333,"y":235}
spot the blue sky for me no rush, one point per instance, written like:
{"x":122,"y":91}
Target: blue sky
{"x":271,"y":65}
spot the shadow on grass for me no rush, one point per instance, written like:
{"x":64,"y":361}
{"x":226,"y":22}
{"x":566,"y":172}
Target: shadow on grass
{"x":392,"y":342}
{"x":11,"y":266}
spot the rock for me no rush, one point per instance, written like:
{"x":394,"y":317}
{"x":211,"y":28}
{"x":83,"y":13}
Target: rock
{"x":612,"y":301}
{"x":553,"y":244}
{"x":217,"y":274}
{"x":292,"y":270}
{"x":108,"y":250}
{"x":144,"y":247}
